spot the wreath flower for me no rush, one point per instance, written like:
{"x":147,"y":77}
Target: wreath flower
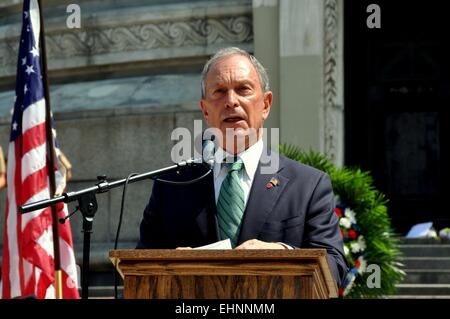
{"x":354,"y":245}
{"x":364,"y":223}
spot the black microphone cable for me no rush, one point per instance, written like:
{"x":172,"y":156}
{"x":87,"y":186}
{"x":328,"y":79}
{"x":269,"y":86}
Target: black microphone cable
{"x":125,"y":185}
{"x":185,"y":182}
{"x":122,"y":205}
{"x":208,"y":151}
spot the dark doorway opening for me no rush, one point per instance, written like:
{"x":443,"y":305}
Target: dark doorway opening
{"x":397,"y":101}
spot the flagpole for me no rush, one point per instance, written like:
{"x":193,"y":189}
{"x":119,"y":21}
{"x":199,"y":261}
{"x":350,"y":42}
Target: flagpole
{"x":50,"y":157}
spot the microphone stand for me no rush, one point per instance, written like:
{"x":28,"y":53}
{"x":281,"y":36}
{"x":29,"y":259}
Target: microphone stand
{"x":87,"y":204}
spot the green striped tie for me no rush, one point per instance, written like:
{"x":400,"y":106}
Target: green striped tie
{"x":230,"y":205}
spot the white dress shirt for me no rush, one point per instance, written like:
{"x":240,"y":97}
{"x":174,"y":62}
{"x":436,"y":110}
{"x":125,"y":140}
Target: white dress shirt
{"x":250,"y":158}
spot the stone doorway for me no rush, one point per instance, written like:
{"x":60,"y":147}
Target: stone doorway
{"x":397,"y":101}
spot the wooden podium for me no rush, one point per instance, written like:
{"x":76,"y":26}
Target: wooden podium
{"x":224,"y":274}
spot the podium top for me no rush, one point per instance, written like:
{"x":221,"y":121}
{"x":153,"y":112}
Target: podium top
{"x":310,"y":263}
{"x":213,"y":254}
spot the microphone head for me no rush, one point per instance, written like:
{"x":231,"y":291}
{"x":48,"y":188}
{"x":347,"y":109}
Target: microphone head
{"x":208,"y":152}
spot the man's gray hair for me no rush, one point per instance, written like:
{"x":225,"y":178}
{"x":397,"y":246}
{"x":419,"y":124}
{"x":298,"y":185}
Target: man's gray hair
{"x":262,"y":73}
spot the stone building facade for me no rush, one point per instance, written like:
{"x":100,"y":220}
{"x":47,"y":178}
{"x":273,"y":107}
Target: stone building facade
{"x":122,"y":82}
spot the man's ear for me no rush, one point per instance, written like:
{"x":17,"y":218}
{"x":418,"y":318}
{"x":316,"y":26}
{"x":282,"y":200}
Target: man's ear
{"x":204,"y":110}
{"x":268,"y":99}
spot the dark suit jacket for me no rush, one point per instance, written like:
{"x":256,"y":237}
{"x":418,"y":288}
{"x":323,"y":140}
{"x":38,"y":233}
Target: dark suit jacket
{"x":299,"y":211}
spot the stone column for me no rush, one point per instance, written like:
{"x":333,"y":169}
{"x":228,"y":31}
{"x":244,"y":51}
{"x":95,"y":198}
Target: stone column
{"x":333,"y":81}
{"x":300,"y":43}
{"x":301,"y":69}
{"x":266,"y":49}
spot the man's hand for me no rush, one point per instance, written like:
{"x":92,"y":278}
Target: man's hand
{"x":258,"y":244}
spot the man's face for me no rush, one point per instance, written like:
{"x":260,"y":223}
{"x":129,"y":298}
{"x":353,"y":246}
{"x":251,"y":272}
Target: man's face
{"x":234,"y":100}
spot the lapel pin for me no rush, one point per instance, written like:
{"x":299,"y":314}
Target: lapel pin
{"x":273,"y":182}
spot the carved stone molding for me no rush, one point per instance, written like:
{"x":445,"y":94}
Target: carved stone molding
{"x":170,"y":37}
{"x":171,"y":34}
{"x":331,"y":109}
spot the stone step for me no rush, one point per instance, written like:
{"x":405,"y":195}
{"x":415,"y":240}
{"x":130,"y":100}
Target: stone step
{"x":101,"y":284}
{"x":104,"y":292}
{"x":106,"y":278}
{"x":429,"y":276}
{"x":426,"y":263}
{"x":417,"y":297}
{"x":423,"y":289}
{"x":416,"y":250}
{"x":425,"y":241}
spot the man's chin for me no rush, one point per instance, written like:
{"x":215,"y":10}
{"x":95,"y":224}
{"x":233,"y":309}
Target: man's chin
{"x":239,"y":139}
{"x":241,"y":132}
{"x":231,"y":128}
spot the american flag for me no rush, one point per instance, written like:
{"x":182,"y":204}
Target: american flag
{"x":28,"y":262}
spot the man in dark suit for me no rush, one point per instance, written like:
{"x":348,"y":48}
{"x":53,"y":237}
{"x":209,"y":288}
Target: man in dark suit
{"x":290,"y":207}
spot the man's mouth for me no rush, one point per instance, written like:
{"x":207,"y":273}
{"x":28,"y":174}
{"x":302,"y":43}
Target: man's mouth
{"x":233,"y":119}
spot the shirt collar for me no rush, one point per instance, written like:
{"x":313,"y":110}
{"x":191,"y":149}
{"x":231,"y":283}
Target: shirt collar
{"x":250,"y":157}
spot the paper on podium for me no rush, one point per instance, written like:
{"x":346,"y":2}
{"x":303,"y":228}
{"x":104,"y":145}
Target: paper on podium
{"x":223,"y":244}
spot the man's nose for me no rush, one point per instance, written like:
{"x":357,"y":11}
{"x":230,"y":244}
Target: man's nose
{"x":231,"y":99}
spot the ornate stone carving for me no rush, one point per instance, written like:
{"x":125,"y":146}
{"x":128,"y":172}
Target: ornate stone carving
{"x":169,"y":34}
{"x":330,"y":89}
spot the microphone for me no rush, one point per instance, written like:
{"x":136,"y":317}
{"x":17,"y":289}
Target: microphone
{"x":208,"y":152}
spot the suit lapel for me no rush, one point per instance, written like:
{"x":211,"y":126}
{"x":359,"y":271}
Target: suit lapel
{"x":261,"y":202}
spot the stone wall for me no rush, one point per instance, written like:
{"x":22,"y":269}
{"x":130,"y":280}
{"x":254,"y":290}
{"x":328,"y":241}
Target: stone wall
{"x":119,"y":86}
{"x":122,"y":82}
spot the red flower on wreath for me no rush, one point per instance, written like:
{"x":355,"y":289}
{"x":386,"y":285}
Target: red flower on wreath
{"x":338,"y":212}
{"x":352,"y":234}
